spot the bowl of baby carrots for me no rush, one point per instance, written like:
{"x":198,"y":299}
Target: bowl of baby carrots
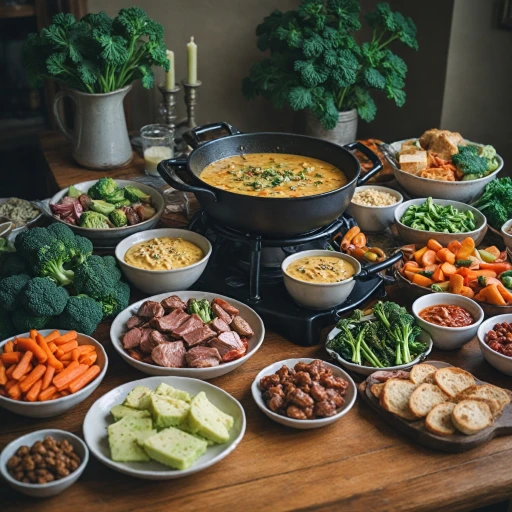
{"x":44,"y":373}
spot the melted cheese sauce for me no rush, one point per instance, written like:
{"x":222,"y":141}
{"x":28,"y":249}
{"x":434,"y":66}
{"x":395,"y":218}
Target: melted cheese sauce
{"x":273,"y":175}
{"x":320,"y":269}
{"x":163,"y":254}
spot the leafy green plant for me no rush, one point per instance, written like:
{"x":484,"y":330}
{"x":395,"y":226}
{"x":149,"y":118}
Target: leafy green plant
{"x":96,"y":54}
{"x":315,"y":62}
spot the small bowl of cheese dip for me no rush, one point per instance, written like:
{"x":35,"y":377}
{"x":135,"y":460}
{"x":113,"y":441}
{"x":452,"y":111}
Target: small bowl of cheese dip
{"x":320,"y":279}
{"x":163,"y":260}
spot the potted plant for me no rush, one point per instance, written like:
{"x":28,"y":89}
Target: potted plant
{"x":97,"y":59}
{"x":317,"y":67}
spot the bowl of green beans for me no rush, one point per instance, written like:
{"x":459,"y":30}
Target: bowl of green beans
{"x":419,"y":220}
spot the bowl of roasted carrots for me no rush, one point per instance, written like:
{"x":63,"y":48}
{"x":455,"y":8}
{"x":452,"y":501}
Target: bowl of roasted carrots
{"x":44,"y":373}
{"x":482,"y":274}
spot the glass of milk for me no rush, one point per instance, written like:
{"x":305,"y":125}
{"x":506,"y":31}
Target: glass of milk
{"x":157,"y":144}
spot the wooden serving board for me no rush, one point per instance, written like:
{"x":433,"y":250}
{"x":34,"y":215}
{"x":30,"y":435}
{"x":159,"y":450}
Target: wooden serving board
{"x":417,"y":432}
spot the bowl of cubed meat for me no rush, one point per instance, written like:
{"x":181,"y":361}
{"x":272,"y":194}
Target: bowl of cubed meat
{"x":495,"y":340}
{"x":187,"y":334}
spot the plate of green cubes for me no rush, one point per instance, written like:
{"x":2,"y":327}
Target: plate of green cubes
{"x":160,"y":428}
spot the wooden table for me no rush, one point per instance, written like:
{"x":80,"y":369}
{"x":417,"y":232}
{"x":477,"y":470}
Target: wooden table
{"x":358,"y":463}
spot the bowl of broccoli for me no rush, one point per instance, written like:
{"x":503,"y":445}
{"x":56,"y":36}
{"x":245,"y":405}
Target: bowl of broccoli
{"x":106,"y":210}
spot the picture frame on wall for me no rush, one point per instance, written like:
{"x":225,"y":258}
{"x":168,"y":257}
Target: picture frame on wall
{"x":505,"y":15}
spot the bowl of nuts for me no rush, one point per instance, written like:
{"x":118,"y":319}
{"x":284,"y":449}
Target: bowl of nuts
{"x":44,"y":463}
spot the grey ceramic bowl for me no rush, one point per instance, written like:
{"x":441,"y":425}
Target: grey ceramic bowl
{"x":418,"y":237}
{"x":112,"y":236}
{"x":15,"y":231}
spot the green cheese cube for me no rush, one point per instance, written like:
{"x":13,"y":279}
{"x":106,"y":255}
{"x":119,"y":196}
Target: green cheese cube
{"x":174,"y":448}
{"x":134,"y":423}
{"x":137,"y":397}
{"x":164,"y":389}
{"x":168,"y":412}
{"x":120,"y":411}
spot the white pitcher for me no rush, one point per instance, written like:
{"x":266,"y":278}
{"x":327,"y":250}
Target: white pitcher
{"x":100,"y":136}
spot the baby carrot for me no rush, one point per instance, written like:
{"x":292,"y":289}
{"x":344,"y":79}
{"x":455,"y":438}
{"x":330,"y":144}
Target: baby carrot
{"x":48,"y":376}
{"x":34,"y":391}
{"x":10,"y":357}
{"x":75,"y":354}
{"x":30,"y":344}
{"x":9,"y":347}
{"x":33,"y":334}
{"x":69,"y":346}
{"x":9,"y":384}
{"x":59,"y":353}
{"x":434,"y":245}
{"x":62,"y":375}
{"x":14,"y":392}
{"x":33,"y":377}
{"x":64,"y":378}
{"x":9,"y":371}
{"x":88,"y":359}
{"x":84,"y":379}
{"x":47,"y":393}
{"x":3,"y":376}
{"x":52,"y":347}
{"x":23,"y":365}
{"x":52,"y":361}
{"x":69,"y":336}
{"x":52,"y":336}
{"x":64,"y":393}
{"x":67,"y":357}
{"x":85,"y":349}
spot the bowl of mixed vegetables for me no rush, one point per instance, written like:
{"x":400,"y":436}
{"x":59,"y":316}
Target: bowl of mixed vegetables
{"x":106,"y":211}
{"x":419,"y":220}
{"x":388,"y":338}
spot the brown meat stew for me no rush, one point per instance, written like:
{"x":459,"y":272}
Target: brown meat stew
{"x":447,"y":315}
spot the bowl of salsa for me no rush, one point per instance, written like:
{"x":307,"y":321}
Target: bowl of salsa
{"x":451,"y":320}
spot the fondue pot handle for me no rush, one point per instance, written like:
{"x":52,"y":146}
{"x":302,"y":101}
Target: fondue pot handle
{"x":368,"y":153}
{"x":167,"y":169}
{"x":367,"y":272}
{"x":195,"y":137}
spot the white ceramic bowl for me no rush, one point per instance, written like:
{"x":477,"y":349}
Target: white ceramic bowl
{"x":249,"y":315}
{"x":462,"y":191}
{"x":373,"y":219}
{"x":59,"y":405}
{"x":98,"y":418}
{"x":51,"y":488}
{"x":506,"y":234}
{"x":368,"y":370}
{"x":16,"y":231}
{"x":418,"y":237}
{"x":111,"y":236}
{"x":159,"y":281}
{"x":319,"y":296}
{"x":448,"y":338}
{"x":350,"y":396}
{"x":501,"y":362}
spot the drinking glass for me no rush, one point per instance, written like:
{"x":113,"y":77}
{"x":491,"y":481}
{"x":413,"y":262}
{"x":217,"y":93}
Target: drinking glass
{"x":157,"y":145}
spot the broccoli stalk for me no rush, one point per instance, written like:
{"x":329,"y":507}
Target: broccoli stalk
{"x":202,"y":308}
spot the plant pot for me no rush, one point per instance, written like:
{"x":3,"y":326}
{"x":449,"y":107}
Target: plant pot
{"x":343,"y":133}
{"x":100,"y":136}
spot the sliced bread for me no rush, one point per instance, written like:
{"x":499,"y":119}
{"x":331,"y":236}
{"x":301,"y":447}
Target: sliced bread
{"x":471,"y":416}
{"x":453,"y":380}
{"x":497,"y":396}
{"x":376,"y":389}
{"x":420,"y":372}
{"x":424,"y":398}
{"x":395,"y":397}
{"x":439,"y":419}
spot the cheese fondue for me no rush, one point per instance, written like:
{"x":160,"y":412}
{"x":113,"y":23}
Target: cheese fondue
{"x":320,"y":269}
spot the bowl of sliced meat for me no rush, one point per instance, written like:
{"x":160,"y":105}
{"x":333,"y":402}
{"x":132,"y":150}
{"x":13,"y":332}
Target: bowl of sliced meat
{"x":187,"y":334}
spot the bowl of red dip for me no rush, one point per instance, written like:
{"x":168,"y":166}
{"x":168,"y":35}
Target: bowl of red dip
{"x":495,"y":340}
{"x":451,"y":320}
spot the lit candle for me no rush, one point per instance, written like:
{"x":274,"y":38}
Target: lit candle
{"x":192,"y":61}
{"x":170,"y":81}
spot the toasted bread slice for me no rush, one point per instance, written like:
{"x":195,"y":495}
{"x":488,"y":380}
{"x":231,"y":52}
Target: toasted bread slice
{"x":439,"y":419}
{"x":498,"y":397}
{"x":453,"y":380}
{"x":376,"y":389}
{"x":395,"y":397}
{"x":420,"y":372}
{"x":424,"y":398}
{"x":471,"y":416}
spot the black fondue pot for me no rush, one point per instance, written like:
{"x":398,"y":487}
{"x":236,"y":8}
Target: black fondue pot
{"x":271,"y":216}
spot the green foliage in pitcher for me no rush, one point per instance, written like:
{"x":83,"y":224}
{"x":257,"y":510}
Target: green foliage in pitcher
{"x":96,"y":54}
{"x":315,"y":62}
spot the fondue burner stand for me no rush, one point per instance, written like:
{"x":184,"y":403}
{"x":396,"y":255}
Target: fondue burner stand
{"x":247,"y":267}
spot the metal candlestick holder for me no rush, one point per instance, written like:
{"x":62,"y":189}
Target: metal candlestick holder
{"x":169,"y":104}
{"x":191,"y":102}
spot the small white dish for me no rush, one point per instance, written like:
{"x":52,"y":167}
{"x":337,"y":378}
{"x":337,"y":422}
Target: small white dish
{"x":51,"y":488}
{"x":159,"y":281}
{"x":368,"y":370}
{"x":506,"y":233}
{"x":448,"y":338}
{"x":59,"y":405}
{"x":350,"y":397}
{"x":374,"y":219}
{"x":420,"y":238}
{"x":98,"y":419}
{"x":501,"y":362}
{"x":249,"y":315}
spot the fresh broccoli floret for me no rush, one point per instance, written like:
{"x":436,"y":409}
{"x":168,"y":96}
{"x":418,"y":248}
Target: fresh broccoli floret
{"x":489,"y":153}
{"x":42,"y":297}
{"x":496,"y":202}
{"x":84,"y":249}
{"x":81,"y":313}
{"x":101,"y":206}
{"x":23,"y":321}
{"x":135,"y":195}
{"x":117,"y":300}
{"x":469,"y":162}
{"x":28,"y":242}
{"x":118,"y":218}
{"x":507,"y":281}
{"x":10,"y":290}
{"x":74,"y":192}
{"x":94,"y":278}
{"x":102,"y":188}
{"x":94,"y":220}
{"x":49,"y":262}
{"x":6,"y":246}
{"x":116,"y":197}
{"x":12,"y":264}
{"x":202,"y":308}
{"x":6,"y":327}
{"x":111,"y":263}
